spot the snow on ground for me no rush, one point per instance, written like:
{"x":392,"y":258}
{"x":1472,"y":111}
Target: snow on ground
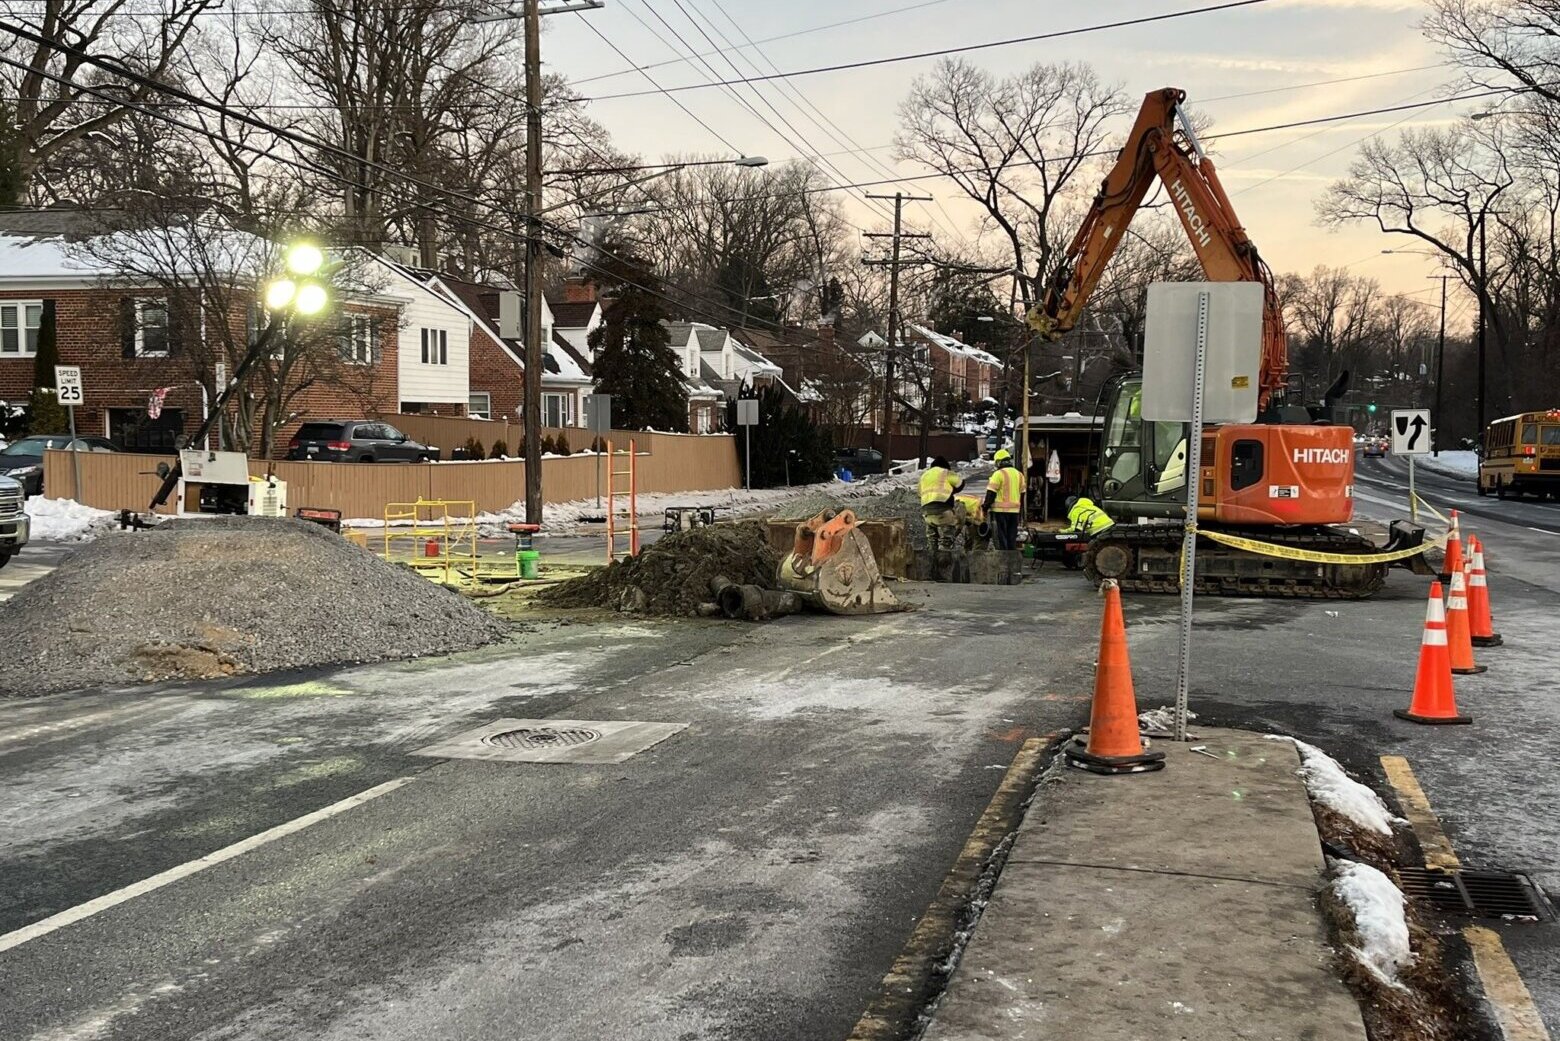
{"x":1330,"y":784}
{"x":1453,"y":464}
{"x":1377,"y":905}
{"x":1161,"y":719}
{"x":66,"y":520}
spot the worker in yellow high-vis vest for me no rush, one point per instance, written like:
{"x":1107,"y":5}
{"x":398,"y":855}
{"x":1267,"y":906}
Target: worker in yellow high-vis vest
{"x":1004,"y":501}
{"x":939,"y":505}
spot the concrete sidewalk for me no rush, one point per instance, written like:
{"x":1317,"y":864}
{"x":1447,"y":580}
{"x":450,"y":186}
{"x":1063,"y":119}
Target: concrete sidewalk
{"x":1173,"y":905}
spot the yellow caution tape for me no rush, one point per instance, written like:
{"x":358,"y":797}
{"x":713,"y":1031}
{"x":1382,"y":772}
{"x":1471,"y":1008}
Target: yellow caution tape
{"x":1268,"y":549}
{"x":1435,"y":512}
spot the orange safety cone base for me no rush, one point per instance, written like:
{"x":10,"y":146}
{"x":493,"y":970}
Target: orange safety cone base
{"x":1432,"y":720}
{"x":1077,"y":754}
{"x":1471,"y":672}
{"x":1493,"y":640}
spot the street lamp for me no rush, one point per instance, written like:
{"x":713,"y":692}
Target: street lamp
{"x":300,"y":291}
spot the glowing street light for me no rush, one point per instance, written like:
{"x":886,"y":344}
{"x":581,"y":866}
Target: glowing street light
{"x":305,"y":259}
{"x":311,"y":299}
{"x":301,"y":293}
{"x":280,"y":294}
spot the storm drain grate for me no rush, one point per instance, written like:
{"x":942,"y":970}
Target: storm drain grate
{"x":1482,"y":894}
{"x":542,"y":737}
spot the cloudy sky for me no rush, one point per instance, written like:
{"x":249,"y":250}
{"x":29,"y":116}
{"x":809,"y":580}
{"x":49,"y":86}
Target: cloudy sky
{"x":1247,"y":67}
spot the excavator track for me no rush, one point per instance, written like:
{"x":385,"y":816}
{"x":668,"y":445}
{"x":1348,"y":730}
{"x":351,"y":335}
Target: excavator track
{"x":1145,"y":558}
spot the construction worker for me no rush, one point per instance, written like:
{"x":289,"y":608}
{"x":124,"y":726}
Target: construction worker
{"x":939,"y":486}
{"x":1085,"y":518}
{"x":1004,"y":500}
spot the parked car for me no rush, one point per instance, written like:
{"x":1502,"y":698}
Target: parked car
{"x":859,"y":461}
{"x":22,"y":460}
{"x":357,"y":441}
{"x":15,"y":526}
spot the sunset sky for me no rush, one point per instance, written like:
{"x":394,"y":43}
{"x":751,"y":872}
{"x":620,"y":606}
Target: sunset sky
{"x":1271,"y":53}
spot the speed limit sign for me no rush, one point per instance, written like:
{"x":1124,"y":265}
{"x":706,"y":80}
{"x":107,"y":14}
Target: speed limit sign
{"x":67,"y":384}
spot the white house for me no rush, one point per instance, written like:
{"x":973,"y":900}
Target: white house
{"x":705,"y":402}
{"x":434,"y":363}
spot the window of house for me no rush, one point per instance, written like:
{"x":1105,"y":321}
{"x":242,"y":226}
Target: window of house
{"x":151,"y":328}
{"x":480,"y":405}
{"x":557,"y":410}
{"x":702,"y":421}
{"x":19,"y":323}
{"x":435,"y":347}
{"x":357,"y":340}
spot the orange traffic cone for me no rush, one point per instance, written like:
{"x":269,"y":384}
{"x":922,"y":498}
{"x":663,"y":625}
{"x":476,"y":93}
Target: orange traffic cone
{"x":1115,"y":746}
{"x":1459,"y":638}
{"x":1454,"y":553}
{"x":1480,"y":622}
{"x":1433,"y":700}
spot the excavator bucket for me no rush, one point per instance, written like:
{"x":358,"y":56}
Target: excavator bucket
{"x":831,"y":567}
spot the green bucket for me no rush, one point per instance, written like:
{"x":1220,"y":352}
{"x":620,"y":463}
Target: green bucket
{"x":527,"y":561}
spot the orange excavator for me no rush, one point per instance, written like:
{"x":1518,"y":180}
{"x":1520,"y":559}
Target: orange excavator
{"x":1286,"y":480}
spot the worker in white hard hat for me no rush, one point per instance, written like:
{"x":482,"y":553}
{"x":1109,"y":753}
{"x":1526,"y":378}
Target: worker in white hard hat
{"x":1004,"y":500}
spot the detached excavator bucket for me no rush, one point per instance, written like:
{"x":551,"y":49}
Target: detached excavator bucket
{"x":831,"y":567}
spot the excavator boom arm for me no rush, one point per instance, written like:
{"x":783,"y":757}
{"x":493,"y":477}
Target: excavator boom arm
{"x":1223,"y":248}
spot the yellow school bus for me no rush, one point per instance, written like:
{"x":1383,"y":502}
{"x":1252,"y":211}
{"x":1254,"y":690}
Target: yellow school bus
{"x":1522,"y":455}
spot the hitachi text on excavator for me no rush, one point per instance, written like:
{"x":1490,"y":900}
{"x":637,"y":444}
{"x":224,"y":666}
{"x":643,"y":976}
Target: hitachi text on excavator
{"x":1286,"y":480}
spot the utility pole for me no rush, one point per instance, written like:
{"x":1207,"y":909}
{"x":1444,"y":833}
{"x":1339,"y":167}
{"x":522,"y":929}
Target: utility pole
{"x":531,"y":408}
{"x":1484,"y":295}
{"x":894,"y":325}
{"x":1440,"y":371}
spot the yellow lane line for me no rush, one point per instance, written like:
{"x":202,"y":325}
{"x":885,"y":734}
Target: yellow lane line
{"x":1514,"y":1009}
{"x":1503,"y":987}
{"x":1433,"y":842}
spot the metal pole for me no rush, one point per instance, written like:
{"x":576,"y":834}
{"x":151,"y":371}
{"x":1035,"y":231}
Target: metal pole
{"x":747,"y":472}
{"x":1484,"y":256}
{"x":1189,"y":538}
{"x":533,"y":266}
{"x":75,"y":454}
{"x":1023,"y":454}
{"x":1413,"y":496}
{"x":1440,"y":368}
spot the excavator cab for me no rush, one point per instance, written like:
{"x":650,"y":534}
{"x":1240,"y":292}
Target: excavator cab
{"x":1142,"y":465}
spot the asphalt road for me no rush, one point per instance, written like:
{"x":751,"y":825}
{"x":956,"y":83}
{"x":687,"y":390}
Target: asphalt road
{"x":752,"y":877}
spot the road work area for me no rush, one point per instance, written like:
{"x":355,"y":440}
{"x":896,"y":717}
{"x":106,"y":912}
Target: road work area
{"x":1180,"y":903}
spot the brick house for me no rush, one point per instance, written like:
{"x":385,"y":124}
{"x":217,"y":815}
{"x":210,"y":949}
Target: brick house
{"x":957,"y":369}
{"x":132,"y":337}
{"x":497,"y":380}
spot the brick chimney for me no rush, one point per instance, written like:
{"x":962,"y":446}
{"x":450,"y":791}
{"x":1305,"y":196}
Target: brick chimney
{"x":579,"y":290}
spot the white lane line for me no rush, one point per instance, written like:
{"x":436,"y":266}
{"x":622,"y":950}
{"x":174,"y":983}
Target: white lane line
{"x":185,"y":870}
{"x":1543,"y":531}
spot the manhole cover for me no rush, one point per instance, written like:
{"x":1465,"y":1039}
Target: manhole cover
{"x":542,"y":737}
{"x":1483,"y":894}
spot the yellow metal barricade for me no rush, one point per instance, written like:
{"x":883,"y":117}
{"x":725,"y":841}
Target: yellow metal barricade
{"x":436,"y":537}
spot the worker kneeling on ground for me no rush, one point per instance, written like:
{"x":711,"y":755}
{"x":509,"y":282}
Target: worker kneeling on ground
{"x":1004,"y":500}
{"x":939,"y":487}
{"x":1085,"y":518}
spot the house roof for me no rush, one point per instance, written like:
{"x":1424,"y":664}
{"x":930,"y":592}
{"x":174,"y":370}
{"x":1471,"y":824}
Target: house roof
{"x":761,"y":363}
{"x":708,"y":372}
{"x":955,"y":346}
{"x":573,"y":316}
{"x":481,"y":303}
{"x":680,"y":332}
{"x":710,"y":338}
{"x":569,"y":349}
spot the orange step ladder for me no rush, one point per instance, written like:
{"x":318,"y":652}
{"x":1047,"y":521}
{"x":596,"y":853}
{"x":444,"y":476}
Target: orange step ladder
{"x":616,"y":494}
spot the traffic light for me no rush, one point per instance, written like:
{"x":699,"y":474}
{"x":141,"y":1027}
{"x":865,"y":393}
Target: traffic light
{"x":1371,"y":408}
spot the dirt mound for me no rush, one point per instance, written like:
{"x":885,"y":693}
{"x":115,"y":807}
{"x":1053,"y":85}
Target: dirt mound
{"x":672,"y":577}
{"x":208,"y":597}
{"x":902,"y":502}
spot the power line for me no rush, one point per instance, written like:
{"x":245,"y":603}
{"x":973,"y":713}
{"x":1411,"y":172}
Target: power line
{"x":768,"y":39}
{"x":1323,"y":83}
{"x":873,"y":62}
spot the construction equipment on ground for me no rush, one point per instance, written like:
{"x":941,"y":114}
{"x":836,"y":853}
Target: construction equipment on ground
{"x":832,"y":568}
{"x":1284,"y":483}
{"x":435,"y":537}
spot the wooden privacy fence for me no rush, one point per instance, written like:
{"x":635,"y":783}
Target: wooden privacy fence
{"x":451,"y":432}
{"x":665,"y":463}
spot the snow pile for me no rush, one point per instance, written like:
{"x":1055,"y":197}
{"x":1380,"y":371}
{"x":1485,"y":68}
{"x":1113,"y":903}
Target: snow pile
{"x":66,"y":520}
{"x":1377,"y":905}
{"x":1161,"y":719}
{"x":1453,"y":464}
{"x":1330,"y":785}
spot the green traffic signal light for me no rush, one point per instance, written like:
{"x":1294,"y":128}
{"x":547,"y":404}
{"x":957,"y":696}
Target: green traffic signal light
{"x":1371,"y":407}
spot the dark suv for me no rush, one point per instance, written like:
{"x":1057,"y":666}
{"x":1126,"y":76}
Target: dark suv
{"x":357,"y":441}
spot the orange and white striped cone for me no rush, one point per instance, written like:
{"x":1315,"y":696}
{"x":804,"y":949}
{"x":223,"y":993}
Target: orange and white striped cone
{"x":1434,"y":702}
{"x":1481,"y":622}
{"x":1459,"y":638}
{"x":1454,"y":551}
{"x":1115,"y":745}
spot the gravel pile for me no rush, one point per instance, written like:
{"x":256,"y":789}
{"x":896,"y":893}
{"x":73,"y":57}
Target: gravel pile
{"x":672,"y":576}
{"x":219,"y":596}
{"x":873,"y":501}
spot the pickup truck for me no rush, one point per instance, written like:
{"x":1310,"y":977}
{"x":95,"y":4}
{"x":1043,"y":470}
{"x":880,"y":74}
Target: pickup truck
{"x":15,"y":526}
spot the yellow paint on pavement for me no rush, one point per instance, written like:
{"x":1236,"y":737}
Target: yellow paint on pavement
{"x":1433,"y":842}
{"x":1508,"y":995}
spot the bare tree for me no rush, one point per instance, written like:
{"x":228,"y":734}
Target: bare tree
{"x":1015,"y":146}
{"x":55,"y":110}
{"x":1502,"y":44}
